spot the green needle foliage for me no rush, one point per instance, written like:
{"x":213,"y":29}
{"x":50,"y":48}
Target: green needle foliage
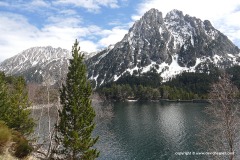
{"x":14,"y":105}
{"x":77,"y":116}
{"x":4,"y":101}
{"x":20,"y":114}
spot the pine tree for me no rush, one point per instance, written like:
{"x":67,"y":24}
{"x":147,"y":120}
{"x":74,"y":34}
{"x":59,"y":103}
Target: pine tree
{"x":14,"y":105}
{"x":77,"y":115}
{"x":19,"y":112}
{"x":4,"y":101}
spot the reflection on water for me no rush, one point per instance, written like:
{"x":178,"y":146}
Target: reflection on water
{"x":171,"y":119}
{"x":140,"y":131}
{"x":150,"y":131}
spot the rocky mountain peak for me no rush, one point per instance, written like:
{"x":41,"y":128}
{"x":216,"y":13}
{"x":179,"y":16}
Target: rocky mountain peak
{"x":174,"y":15}
{"x":152,"y":16}
{"x":170,"y":45}
{"x":208,"y":25}
{"x":150,"y":21}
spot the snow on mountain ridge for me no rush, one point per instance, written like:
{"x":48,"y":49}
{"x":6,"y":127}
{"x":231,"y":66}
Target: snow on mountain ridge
{"x":38,"y":64}
{"x":179,"y":27}
{"x":32,"y":57}
{"x":170,"y":45}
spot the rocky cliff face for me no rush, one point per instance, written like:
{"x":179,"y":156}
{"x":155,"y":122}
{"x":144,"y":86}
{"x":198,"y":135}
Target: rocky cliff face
{"x":170,"y":45}
{"x":196,"y":39}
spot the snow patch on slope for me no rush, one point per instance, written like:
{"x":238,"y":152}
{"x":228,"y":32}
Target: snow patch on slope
{"x":165,"y":70}
{"x":170,"y":71}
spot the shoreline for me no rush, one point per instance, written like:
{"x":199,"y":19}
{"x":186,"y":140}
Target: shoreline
{"x":193,"y":100}
{"x":168,"y":100}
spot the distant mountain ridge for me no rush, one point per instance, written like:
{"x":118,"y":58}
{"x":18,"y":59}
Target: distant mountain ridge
{"x":169,"y":45}
{"x":38,"y":64}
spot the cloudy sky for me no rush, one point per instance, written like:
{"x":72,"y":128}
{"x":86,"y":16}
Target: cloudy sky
{"x":97,"y":23}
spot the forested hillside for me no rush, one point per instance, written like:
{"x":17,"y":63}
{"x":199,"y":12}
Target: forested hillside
{"x":149,"y":86}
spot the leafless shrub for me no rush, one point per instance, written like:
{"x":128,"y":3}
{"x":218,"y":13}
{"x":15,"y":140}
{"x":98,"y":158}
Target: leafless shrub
{"x":221,"y":133}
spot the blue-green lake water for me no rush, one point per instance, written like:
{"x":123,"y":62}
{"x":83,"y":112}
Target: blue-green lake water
{"x":149,"y":131}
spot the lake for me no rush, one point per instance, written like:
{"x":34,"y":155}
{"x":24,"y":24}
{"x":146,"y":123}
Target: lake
{"x":137,"y":131}
{"x":151,"y":130}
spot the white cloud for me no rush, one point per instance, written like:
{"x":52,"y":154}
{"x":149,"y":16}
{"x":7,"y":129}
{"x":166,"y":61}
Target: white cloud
{"x":90,"y":5}
{"x":63,"y":24}
{"x":111,"y":36}
{"x":14,"y":30}
{"x":107,"y":3}
{"x":230,"y":26}
{"x":63,"y":21}
{"x":204,"y":9}
{"x":87,"y":46}
{"x":59,"y":29}
{"x":4,"y":4}
{"x":17,"y":34}
{"x":68,"y":12}
{"x":32,"y":6}
{"x":39,"y":3}
{"x":115,"y":23}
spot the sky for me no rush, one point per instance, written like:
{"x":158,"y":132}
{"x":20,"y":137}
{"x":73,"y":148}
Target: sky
{"x":97,"y":23}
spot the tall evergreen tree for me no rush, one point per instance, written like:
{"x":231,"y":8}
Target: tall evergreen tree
{"x":77,"y":115}
{"x":14,"y":105}
{"x":19,"y":112}
{"x":4,"y":101}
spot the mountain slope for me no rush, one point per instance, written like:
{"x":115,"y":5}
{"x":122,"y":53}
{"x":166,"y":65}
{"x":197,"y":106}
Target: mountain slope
{"x":170,"y":45}
{"x":38,"y":64}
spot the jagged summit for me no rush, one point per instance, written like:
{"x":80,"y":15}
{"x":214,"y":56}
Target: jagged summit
{"x":152,"y":14}
{"x":174,"y":14}
{"x":170,"y":44}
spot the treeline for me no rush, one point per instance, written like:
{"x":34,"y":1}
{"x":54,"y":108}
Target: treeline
{"x":197,"y":84}
{"x":142,"y":87}
{"x":149,"y":86}
{"x":235,"y":75}
{"x":15,"y":122}
{"x":122,"y":92}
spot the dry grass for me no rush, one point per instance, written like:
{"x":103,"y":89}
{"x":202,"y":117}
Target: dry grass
{"x":5,"y":136}
{"x":8,"y":156}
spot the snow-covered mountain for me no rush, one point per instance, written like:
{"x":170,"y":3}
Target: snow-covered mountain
{"x":38,"y":64}
{"x":171,"y":45}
